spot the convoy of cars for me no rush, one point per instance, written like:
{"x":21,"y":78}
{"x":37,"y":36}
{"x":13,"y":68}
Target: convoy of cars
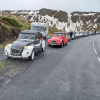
{"x":31,"y":41}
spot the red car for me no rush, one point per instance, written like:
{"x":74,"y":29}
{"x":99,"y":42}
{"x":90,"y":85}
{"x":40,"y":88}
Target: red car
{"x":59,"y":38}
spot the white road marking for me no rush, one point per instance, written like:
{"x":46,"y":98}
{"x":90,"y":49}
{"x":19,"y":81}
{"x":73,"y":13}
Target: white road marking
{"x":6,"y":82}
{"x":95,"y":50}
{"x":99,"y":59}
{"x":93,"y":43}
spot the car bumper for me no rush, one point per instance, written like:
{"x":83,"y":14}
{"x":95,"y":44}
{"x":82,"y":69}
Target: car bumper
{"x":12,"y":56}
{"x":22,"y":56}
{"x":53,"y":44}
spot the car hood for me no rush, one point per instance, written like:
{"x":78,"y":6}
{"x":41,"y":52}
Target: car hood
{"x":19,"y":44}
{"x":56,"y":38}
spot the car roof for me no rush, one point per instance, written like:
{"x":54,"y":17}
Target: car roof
{"x":29,"y":32}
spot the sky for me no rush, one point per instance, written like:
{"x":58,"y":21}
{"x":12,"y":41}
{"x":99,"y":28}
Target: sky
{"x":64,"y":5}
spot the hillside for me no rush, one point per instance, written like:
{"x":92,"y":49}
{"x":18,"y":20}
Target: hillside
{"x":7,"y":32}
{"x":87,"y":20}
{"x":60,"y":20}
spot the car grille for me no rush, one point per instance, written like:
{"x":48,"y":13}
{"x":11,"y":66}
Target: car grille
{"x":15,"y":51}
{"x":53,"y":42}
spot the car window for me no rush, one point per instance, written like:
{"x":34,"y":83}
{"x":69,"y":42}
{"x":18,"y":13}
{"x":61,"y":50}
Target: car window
{"x":57,"y":34}
{"x":26,"y":36}
{"x":38,"y":28}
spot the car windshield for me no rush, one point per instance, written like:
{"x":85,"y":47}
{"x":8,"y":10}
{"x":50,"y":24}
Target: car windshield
{"x":37,"y":28}
{"x":59,"y":34}
{"x":27,"y":36}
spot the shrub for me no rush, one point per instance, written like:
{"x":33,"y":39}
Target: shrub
{"x":13,"y":22}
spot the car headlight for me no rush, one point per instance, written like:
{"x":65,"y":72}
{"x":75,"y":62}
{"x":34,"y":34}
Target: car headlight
{"x":25,"y":47}
{"x":8,"y":45}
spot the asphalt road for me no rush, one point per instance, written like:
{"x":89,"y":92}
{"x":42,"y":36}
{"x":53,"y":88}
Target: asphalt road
{"x":68,"y":73}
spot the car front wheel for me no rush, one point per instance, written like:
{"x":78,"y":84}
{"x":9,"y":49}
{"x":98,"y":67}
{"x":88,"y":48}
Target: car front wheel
{"x":43,"y":49}
{"x":49,"y":45}
{"x":8,"y":56}
{"x":62,"y":44}
{"x":32,"y":56}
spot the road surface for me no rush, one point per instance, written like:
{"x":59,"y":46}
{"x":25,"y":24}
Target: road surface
{"x":68,"y":73}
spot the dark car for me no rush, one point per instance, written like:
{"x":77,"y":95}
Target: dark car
{"x":27,"y":44}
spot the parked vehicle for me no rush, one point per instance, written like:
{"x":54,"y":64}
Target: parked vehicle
{"x":87,"y":34}
{"x":81,"y":34}
{"x":77,"y":34}
{"x":74,"y":35}
{"x":59,"y":38}
{"x":40,"y":27}
{"x":92,"y":33}
{"x":26,"y":46}
{"x":97,"y":32}
{"x":68,"y":36}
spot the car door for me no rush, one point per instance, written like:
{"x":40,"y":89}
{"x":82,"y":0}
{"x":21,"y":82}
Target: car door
{"x":64,"y":37}
{"x":37,"y":43}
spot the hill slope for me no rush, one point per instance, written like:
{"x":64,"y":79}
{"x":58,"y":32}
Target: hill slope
{"x":7,"y":31}
{"x":76,"y":21}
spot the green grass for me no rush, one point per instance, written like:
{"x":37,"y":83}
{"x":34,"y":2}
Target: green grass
{"x":9,"y":61}
{"x":23,"y":23}
{"x":11,"y":66}
{"x":2,"y":64}
{"x":3,"y":67}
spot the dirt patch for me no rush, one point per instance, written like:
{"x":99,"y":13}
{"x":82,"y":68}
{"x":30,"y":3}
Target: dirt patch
{"x":12,"y":67}
{"x":14,"y":72}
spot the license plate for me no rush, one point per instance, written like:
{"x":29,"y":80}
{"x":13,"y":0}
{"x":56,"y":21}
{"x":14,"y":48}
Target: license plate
{"x":53,"y":42}
{"x":14,"y":54}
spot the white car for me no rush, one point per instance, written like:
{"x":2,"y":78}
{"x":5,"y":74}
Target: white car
{"x":81,"y":34}
{"x":28,"y":43}
{"x":77,"y":34}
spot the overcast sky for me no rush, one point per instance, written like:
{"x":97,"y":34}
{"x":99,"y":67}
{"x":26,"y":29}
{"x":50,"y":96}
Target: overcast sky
{"x":64,"y":5}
